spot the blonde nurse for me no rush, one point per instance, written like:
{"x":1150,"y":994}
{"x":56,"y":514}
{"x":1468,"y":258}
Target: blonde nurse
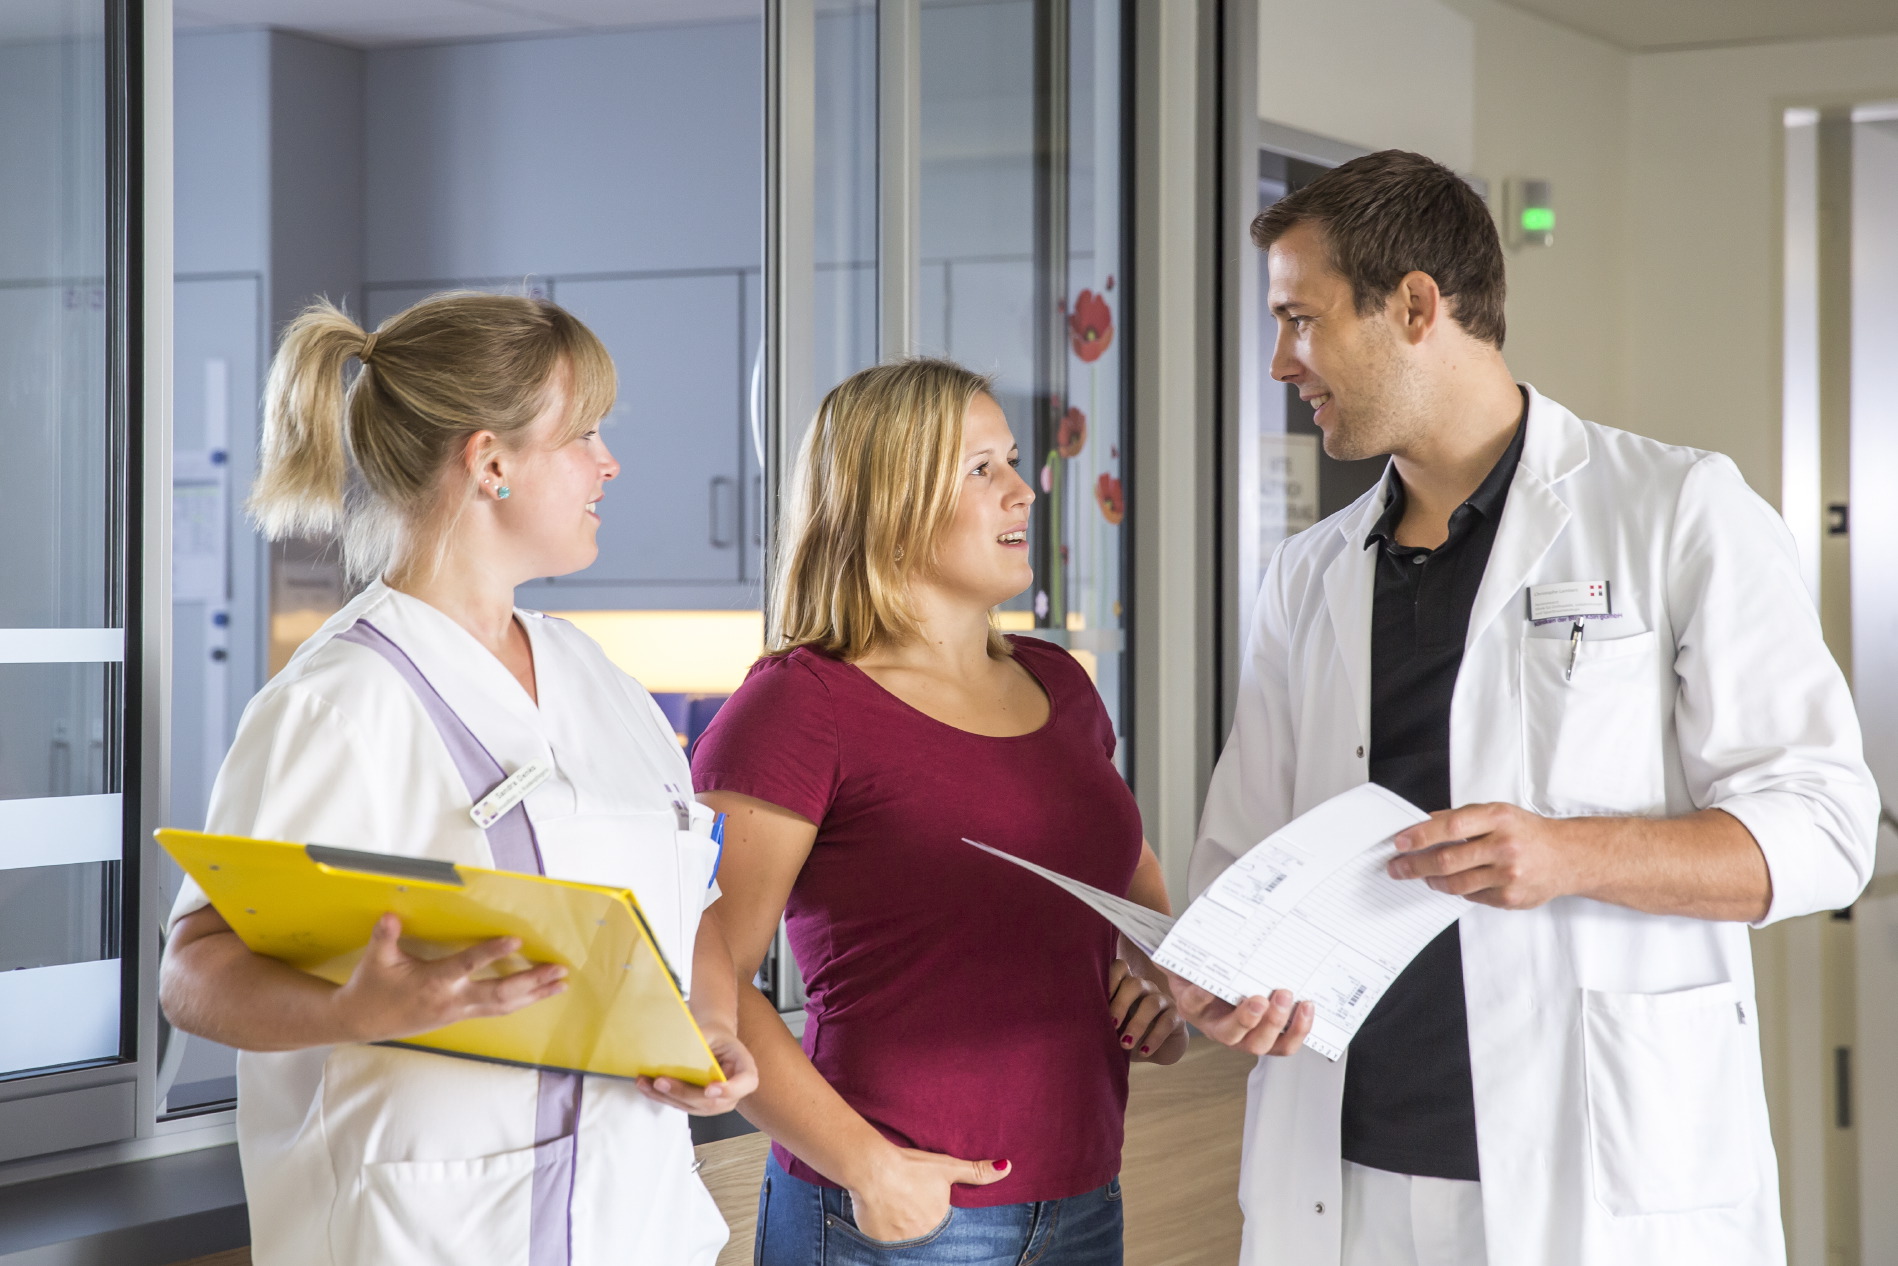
{"x":462,"y":460}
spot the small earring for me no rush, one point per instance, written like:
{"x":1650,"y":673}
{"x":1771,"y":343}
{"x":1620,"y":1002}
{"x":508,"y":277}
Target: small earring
{"x":500,"y":494}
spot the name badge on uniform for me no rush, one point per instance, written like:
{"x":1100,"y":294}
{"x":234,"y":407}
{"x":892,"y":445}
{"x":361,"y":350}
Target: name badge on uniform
{"x":1570,"y":600}
{"x":513,"y":789}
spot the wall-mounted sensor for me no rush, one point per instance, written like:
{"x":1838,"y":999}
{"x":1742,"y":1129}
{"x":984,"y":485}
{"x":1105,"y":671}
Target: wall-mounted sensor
{"x":1528,"y":212}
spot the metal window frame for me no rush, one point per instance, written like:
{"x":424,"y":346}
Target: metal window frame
{"x":107,"y":1114}
{"x":790,"y":103}
{"x":789,"y":308}
{"x":1175,"y":395}
{"x":899,"y":98}
{"x":143,"y":163}
{"x":1240,"y":375}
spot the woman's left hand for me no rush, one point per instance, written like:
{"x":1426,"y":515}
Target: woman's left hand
{"x":1150,"y":1026}
{"x":741,"y":1078}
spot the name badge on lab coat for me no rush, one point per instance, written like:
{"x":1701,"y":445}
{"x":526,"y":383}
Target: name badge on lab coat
{"x":1570,"y":600}
{"x":494,"y":806}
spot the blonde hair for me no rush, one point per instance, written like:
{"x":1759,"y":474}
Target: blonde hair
{"x":876,"y":483}
{"x":368,"y":458}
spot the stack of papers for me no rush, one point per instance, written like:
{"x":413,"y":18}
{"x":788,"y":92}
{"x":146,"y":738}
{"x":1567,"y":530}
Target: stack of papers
{"x":1311,"y":909}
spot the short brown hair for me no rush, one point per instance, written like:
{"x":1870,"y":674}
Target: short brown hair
{"x":877,"y":481}
{"x":1391,"y":213}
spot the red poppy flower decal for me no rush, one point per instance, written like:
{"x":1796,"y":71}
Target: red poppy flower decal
{"x":1071,"y":436}
{"x":1112,"y":501}
{"x":1091,"y":326}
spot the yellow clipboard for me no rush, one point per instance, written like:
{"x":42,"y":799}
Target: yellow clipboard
{"x":313,"y":907}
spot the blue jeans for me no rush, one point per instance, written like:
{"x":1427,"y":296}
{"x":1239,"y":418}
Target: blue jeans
{"x":802,"y":1224}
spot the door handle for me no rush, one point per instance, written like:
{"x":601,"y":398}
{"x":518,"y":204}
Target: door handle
{"x":724,"y":494}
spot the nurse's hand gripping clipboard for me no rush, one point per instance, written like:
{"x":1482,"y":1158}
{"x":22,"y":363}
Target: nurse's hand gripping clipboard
{"x":1309,"y":909}
{"x":622,"y":1015}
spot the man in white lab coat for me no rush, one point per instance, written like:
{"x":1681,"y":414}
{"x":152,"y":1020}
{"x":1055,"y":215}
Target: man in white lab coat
{"x":1592,"y":657}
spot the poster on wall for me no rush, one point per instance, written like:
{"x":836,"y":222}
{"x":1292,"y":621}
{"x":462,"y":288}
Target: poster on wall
{"x":1288,"y":486}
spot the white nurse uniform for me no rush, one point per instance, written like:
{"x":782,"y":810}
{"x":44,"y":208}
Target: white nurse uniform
{"x":380,"y":734}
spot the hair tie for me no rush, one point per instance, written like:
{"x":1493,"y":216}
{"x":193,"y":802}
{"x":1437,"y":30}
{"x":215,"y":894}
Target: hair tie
{"x":368,"y":347}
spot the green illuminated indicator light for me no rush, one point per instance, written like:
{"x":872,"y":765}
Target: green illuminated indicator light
{"x":1538,"y":219}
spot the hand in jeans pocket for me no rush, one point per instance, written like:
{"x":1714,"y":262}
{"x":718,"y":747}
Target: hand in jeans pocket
{"x":907,"y":1196}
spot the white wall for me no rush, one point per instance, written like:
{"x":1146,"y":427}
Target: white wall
{"x":1494,"y":92}
{"x":1702,"y":346}
{"x":1657,"y":307}
{"x":1701,"y":326}
{"x":1384,"y":74}
{"x":222,"y":152}
{"x":268,"y":214}
{"x":316,"y":171}
{"x":1875,"y":654}
{"x":622,"y":172}
{"x":566,"y":155}
{"x":1552,"y":104}
{"x":1875,"y":447}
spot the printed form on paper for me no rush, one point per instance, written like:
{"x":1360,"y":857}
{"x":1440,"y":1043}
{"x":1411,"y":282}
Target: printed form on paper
{"x":1311,"y":909}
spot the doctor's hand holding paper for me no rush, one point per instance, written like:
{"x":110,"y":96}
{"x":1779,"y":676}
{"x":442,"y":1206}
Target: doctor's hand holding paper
{"x":1590,"y":658}
{"x":1507,"y":857}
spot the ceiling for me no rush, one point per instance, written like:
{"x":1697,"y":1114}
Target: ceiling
{"x":1653,"y":25}
{"x":1641,"y":25}
{"x":377,"y":23}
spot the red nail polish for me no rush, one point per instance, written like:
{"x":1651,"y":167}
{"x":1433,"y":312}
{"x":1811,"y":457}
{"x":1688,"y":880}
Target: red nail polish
{"x":1001,"y":1167}
{"x":1126,"y":1041}
{"x":1146,"y":1050}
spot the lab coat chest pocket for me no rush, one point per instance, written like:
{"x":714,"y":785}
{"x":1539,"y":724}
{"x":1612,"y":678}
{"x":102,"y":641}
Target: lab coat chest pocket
{"x":1592,"y":740}
{"x":667,"y":869}
{"x":1670,"y":1082}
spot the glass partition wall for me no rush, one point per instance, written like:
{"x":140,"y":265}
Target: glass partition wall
{"x":747,"y":209}
{"x":66,"y":222}
{"x":1022,"y":138}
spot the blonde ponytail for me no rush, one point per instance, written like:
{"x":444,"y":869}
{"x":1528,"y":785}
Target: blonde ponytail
{"x":303,"y":465}
{"x":368,"y":458}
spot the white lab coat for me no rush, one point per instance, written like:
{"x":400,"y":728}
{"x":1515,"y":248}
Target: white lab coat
{"x":1620,"y":1112}
{"x":359,"y":1154}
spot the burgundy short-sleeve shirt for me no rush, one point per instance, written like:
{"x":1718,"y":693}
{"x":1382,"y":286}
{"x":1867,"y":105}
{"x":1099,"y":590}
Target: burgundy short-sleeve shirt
{"x":958,"y":1002}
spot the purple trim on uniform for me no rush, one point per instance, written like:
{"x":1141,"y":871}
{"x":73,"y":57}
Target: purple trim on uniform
{"x":511,"y":836}
{"x":556,"y":1156}
{"x":512,"y":841}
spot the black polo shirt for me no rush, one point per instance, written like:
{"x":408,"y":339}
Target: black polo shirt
{"x":1408,"y":1107}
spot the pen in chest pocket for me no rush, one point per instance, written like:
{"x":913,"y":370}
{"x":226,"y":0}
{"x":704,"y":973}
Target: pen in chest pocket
{"x":1574,"y":649}
{"x":681,"y":811}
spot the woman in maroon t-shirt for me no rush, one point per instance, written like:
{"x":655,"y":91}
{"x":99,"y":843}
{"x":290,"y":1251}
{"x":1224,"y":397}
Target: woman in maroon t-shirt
{"x":962,"y":1081}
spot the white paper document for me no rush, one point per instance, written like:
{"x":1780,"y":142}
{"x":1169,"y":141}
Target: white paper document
{"x":1311,"y":909}
{"x":1145,"y":928}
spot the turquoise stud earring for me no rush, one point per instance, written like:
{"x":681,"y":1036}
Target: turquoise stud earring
{"x":500,"y":494}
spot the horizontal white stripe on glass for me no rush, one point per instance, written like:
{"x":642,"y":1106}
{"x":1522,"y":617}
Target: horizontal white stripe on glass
{"x":62,"y":646}
{"x":61,"y":831}
{"x":59,"y":1015}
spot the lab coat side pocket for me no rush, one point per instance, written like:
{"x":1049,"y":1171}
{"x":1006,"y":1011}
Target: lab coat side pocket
{"x":1671,"y":1082}
{"x":477,"y":1210}
{"x":1592,"y":741}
